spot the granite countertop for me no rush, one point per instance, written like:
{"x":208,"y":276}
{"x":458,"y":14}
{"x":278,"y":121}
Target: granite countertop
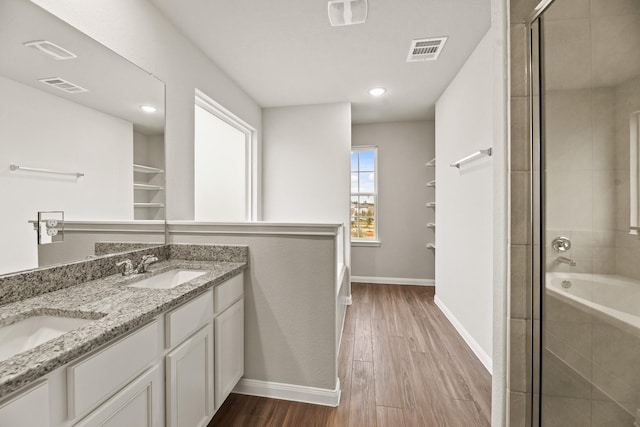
{"x":116,"y":308}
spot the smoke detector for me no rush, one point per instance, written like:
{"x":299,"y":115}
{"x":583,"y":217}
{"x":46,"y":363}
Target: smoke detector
{"x":51,"y":49}
{"x":63,"y":85}
{"x":347,"y":12}
{"x":426,"y":49}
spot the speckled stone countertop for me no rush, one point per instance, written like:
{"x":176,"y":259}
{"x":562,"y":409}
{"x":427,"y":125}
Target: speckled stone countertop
{"x":116,"y":308}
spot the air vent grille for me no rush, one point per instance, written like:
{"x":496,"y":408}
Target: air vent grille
{"x":63,"y":85}
{"x":51,"y":49}
{"x":426,"y":49}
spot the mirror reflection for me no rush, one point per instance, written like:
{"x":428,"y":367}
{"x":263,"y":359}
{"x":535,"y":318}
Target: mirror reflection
{"x":81,"y":132}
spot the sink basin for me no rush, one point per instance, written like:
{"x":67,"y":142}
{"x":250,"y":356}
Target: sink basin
{"x":168,"y":280}
{"x":33,"y":331}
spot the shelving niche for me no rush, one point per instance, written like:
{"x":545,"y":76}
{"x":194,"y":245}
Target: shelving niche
{"x":431,"y":204}
{"x":148,"y":177}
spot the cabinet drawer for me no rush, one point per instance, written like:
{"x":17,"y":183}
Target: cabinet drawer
{"x":28,"y":409}
{"x":138,"y":404}
{"x":94,"y":379}
{"x":188,"y":318}
{"x":228,"y":292}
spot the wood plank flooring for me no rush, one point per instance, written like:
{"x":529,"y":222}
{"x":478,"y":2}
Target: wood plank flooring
{"x":401,"y":364}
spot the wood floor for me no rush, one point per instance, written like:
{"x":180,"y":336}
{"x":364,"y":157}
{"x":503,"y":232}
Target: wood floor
{"x":401,"y":363}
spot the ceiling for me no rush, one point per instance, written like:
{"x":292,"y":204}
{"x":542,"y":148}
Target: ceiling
{"x":285,"y":52}
{"x":119,"y":92}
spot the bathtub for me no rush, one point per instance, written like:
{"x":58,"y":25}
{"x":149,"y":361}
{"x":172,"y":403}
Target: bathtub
{"x":614,"y":298}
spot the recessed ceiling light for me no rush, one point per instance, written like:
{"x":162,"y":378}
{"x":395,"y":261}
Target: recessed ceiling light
{"x":148,"y":108}
{"x":377,"y":91}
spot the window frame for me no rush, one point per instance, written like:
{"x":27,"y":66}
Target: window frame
{"x":375,"y":240}
{"x":203,"y":101}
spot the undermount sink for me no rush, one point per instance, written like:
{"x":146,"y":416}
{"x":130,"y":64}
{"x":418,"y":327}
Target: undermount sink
{"x":168,"y":280}
{"x":33,"y":331}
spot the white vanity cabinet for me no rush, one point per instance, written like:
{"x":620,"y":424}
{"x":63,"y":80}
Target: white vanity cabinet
{"x":229,"y":336}
{"x":100,"y":375}
{"x":27,"y":409}
{"x":138,"y":404}
{"x":127,"y":374}
{"x":192,"y":398}
{"x":189,"y":377}
{"x":189,"y":363}
{"x":174,"y":371}
{"x":229,"y":360}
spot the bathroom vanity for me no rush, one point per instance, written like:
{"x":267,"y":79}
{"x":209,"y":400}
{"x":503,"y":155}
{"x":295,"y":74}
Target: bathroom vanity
{"x":140,"y":353}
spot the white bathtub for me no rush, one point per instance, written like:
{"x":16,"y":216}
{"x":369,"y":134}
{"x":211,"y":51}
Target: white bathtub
{"x":613,"y":297}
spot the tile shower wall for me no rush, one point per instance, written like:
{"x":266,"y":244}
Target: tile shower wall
{"x":521,"y":244}
{"x":580,"y":170}
{"x":589,"y":363}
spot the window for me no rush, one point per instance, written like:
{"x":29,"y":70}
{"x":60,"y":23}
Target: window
{"x":224,"y":181}
{"x":364,"y":194}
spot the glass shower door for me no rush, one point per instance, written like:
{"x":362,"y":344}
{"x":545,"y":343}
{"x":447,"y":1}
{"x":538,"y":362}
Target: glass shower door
{"x":588,"y":364}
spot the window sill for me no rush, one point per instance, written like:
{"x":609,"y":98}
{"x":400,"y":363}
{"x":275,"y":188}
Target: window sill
{"x":366,"y":243}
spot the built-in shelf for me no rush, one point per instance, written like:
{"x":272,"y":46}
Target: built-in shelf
{"x":431,"y":184}
{"x":147,"y":187}
{"x":146,"y":169}
{"x":148,"y":205}
{"x":148,"y":195}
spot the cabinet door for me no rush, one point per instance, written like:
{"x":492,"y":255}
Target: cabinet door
{"x":189,"y":394}
{"x":28,"y":409}
{"x":138,"y":404}
{"x":229,"y":333}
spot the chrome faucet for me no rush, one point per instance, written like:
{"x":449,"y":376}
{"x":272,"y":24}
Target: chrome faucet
{"x":565,"y":260}
{"x":147,"y":260}
{"x":127,"y":267}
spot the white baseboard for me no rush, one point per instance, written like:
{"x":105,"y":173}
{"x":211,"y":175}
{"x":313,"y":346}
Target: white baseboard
{"x":349,"y":300}
{"x":466,"y":336}
{"x":296,"y":393}
{"x":393,"y":280}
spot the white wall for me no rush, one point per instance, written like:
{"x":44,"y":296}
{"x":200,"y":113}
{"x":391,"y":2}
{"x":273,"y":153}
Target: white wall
{"x":500,"y":59}
{"x":148,"y":150}
{"x":40,"y":130}
{"x":306,"y":154}
{"x":403,"y":150}
{"x":464,"y":198}
{"x":138,"y":31}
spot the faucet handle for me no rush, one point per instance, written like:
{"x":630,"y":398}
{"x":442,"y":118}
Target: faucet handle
{"x":147,"y":260}
{"x":128,"y":267}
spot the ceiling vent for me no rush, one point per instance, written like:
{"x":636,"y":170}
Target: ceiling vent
{"x":51,"y":49}
{"x":426,"y":49}
{"x":64,"y":85}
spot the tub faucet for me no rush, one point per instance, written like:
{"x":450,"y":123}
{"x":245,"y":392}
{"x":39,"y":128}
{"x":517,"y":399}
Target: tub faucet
{"x":147,"y":260}
{"x":565,"y":260}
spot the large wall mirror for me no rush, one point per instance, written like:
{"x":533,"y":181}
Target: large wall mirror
{"x":82,"y":132}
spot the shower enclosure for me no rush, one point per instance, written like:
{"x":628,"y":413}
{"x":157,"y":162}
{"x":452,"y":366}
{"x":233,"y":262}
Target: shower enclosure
{"x":585,"y":115}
